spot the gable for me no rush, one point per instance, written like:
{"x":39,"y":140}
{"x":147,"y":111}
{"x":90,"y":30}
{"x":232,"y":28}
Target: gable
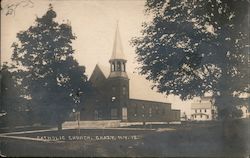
{"x":97,"y":77}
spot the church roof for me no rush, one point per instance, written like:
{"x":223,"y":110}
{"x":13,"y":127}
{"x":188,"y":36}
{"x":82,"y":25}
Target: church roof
{"x":105,"y":70}
{"x":117,"y":48}
{"x":139,"y":88}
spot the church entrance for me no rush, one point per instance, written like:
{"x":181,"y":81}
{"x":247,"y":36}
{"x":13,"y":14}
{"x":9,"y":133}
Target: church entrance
{"x":124,"y":114}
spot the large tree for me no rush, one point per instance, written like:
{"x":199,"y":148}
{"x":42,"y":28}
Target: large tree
{"x":48,"y":70}
{"x":192,"y":47}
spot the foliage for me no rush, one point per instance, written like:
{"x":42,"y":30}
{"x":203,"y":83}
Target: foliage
{"x":13,"y":102}
{"x":49,"y":72}
{"x":193,"y":47}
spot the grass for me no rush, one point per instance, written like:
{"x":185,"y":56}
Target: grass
{"x":196,"y":139}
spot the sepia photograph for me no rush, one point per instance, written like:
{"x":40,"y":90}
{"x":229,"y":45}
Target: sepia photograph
{"x":125,"y":78}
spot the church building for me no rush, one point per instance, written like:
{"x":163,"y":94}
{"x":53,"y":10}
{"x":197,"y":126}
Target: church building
{"x":114,"y":91}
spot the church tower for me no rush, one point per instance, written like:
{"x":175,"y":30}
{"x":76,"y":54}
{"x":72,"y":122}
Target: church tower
{"x":117,"y":60}
{"x":118,"y":81}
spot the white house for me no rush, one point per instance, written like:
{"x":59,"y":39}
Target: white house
{"x":244,"y":107}
{"x":245,"y":112}
{"x":203,"y":109}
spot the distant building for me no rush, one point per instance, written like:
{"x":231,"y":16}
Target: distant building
{"x":246,"y":105}
{"x":115,"y":90}
{"x":203,"y":109}
{"x":245,"y":112}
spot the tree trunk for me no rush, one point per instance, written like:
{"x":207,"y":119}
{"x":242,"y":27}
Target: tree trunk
{"x":59,"y":126}
{"x":230,"y":129}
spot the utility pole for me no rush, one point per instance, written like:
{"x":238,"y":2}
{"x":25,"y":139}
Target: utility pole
{"x":78,"y":112}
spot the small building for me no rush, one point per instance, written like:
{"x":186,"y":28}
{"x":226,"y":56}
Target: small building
{"x":115,"y":91}
{"x":245,"y":111}
{"x":203,"y":109}
{"x":245,"y":106}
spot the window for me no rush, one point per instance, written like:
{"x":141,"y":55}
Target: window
{"x":201,"y":116}
{"x":195,"y":111}
{"x":157,"y":109}
{"x":96,"y":114}
{"x":207,"y":117}
{"x":119,"y":66}
{"x":113,"y":113}
{"x":123,"y":90}
{"x":113,"y":88}
{"x":163,"y":111}
{"x":136,"y":110}
{"x":112,"y":67}
{"x":150,"y":112}
{"x":200,"y":110}
{"x":124,"y":67}
{"x":194,"y":116}
{"x":205,"y":110}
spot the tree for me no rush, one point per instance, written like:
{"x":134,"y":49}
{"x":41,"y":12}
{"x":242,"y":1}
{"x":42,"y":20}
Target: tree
{"x":49,"y":72}
{"x":193,"y":47}
{"x":13,"y":103}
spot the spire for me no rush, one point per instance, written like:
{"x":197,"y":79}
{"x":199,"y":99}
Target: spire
{"x":117,"y":48}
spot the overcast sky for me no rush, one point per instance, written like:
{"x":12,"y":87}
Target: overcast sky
{"x":94,"y":24}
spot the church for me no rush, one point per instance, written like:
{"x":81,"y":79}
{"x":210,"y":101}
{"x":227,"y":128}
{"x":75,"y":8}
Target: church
{"x":114,"y":94}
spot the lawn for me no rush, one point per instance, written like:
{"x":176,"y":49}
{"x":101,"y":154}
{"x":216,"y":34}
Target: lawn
{"x":201,"y":139}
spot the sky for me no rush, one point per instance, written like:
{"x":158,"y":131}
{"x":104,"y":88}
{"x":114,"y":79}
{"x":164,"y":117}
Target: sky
{"x":93,"y":22}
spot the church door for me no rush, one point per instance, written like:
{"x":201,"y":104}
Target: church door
{"x":124,"y":113}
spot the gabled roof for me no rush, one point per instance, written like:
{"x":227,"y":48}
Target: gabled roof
{"x":139,"y":88}
{"x":98,"y":75}
{"x":117,"y":48}
{"x":105,"y":70}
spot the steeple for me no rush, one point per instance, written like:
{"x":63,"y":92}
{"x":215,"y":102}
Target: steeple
{"x":117,"y":60}
{"x":117,"y":47}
